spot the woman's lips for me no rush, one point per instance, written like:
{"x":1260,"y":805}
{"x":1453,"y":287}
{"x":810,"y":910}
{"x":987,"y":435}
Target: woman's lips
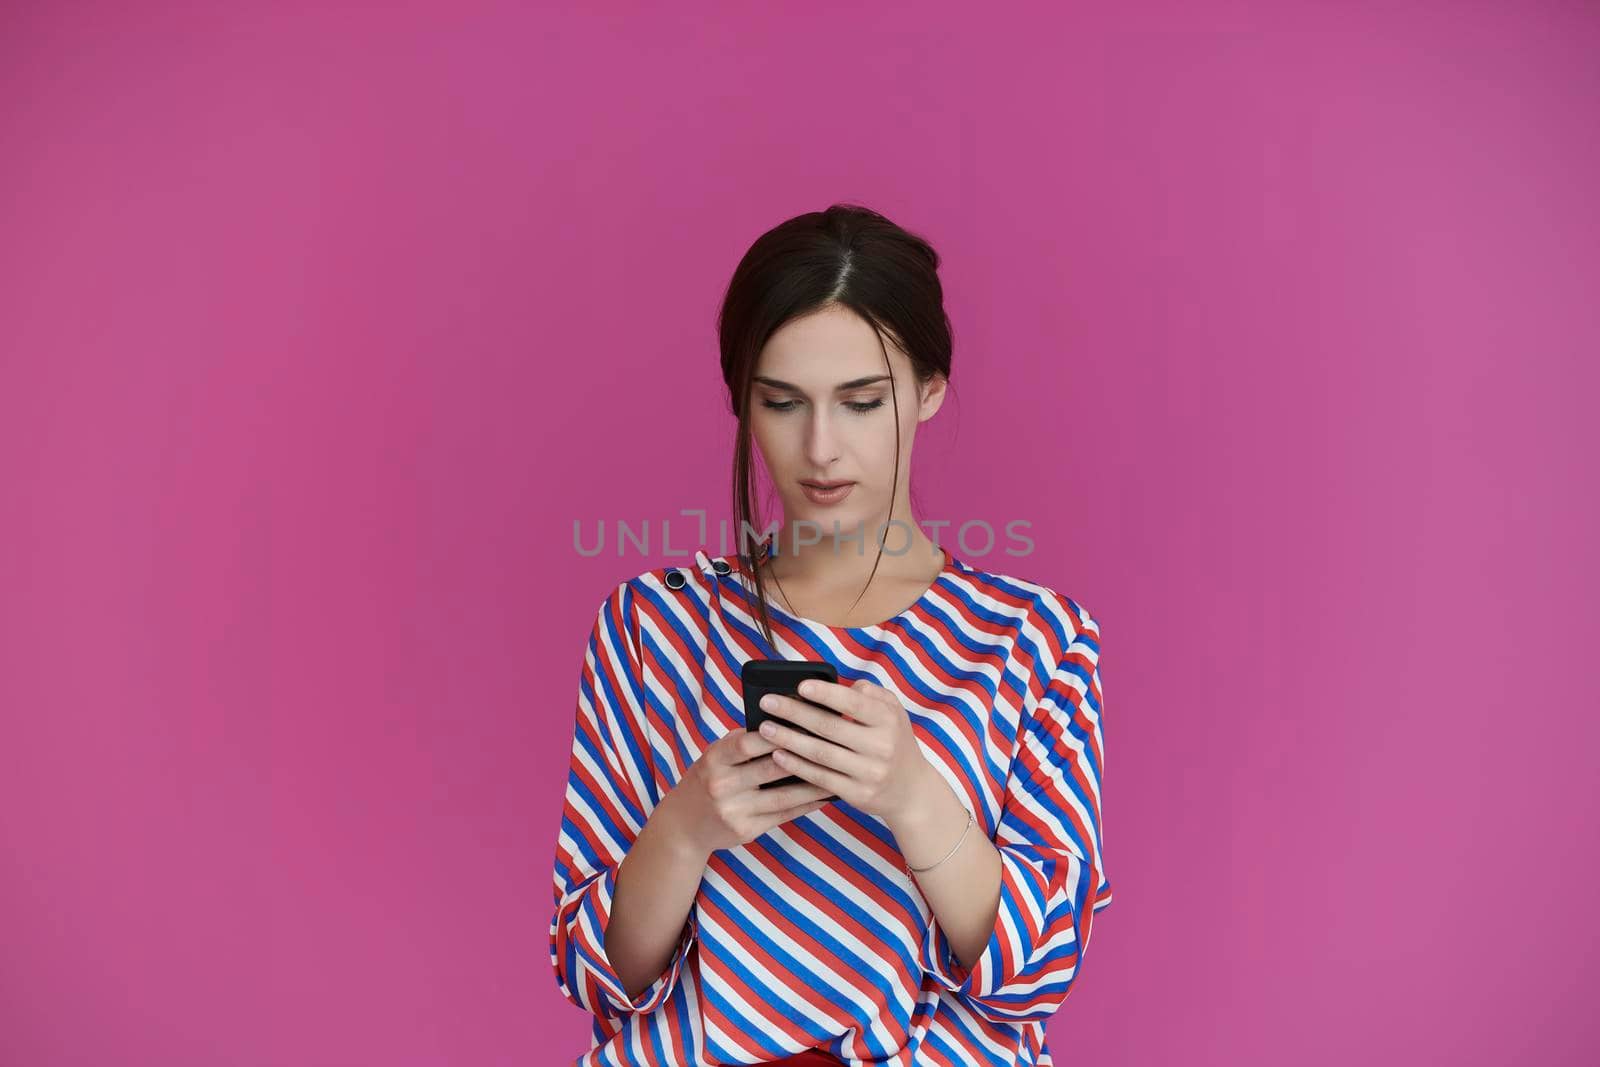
{"x":823,"y":493}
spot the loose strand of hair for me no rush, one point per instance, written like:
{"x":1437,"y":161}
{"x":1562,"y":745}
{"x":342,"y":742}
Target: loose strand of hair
{"x":894,"y":489}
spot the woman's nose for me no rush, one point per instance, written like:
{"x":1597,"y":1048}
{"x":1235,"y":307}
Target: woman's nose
{"x":821,"y":449}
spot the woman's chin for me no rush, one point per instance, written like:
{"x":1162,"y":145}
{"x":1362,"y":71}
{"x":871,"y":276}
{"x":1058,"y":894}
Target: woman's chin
{"x":820,"y":520}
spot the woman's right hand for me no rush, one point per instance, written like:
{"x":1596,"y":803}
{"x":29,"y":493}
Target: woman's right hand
{"x":719,"y":800}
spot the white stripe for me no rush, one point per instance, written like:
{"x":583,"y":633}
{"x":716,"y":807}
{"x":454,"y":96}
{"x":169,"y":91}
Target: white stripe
{"x":666,"y":696}
{"x":622,"y":671}
{"x":1061,"y":792}
{"x":777,"y":891}
{"x":595,"y":820}
{"x":956,"y":1005}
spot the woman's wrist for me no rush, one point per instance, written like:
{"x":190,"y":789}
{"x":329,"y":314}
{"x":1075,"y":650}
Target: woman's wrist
{"x":669,"y":823}
{"x":933,"y":805}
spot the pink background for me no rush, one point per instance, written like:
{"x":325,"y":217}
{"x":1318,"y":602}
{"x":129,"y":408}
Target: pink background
{"x":318,"y":329}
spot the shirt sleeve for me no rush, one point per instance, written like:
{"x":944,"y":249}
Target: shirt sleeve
{"x":1052,"y":878}
{"x":609,"y":794}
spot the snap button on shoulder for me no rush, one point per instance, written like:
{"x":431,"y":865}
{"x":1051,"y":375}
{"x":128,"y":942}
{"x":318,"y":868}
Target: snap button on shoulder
{"x":721,"y":566}
{"x":675,"y":579}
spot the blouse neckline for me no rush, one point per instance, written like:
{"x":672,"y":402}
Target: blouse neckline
{"x":916,"y":608}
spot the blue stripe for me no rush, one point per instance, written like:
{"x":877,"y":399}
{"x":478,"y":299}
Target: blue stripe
{"x":622,"y":799}
{"x":970,"y":1043}
{"x":611,"y":701}
{"x":855,"y":964}
{"x":788,"y":1005}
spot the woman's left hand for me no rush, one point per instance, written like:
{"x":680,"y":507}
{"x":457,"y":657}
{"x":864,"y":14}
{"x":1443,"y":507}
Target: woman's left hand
{"x":869,"y":758}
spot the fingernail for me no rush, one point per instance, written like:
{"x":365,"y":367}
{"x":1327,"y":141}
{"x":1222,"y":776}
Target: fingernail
{"x":767,"y":729}
{"x":768,"y":701}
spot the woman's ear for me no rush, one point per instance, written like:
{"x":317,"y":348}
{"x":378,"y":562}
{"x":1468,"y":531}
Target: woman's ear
{"x":932,"y":392}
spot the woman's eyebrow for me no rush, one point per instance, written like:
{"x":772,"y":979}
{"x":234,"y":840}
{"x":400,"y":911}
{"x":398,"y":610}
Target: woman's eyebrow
{"x":842,"y":387}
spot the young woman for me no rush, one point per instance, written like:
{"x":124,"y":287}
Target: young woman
{"x":923,"y":892}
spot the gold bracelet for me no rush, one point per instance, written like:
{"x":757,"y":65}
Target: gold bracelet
{"x":952,"y":852}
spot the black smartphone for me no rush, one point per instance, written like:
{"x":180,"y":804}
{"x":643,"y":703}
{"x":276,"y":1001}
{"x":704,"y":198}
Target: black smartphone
{"x":758,"y":677}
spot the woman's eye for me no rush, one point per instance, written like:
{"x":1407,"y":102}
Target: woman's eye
{"x":853,"y":405}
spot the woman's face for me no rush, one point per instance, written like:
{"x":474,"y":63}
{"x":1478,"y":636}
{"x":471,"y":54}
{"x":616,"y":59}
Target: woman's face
{"x":821,"y":413}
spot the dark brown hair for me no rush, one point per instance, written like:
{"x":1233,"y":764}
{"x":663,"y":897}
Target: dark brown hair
{"x":849,"y":256}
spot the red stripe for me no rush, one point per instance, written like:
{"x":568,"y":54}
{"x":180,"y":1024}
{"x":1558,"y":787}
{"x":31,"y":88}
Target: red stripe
{"x":795,"y":991}
{"x":774,"y":866}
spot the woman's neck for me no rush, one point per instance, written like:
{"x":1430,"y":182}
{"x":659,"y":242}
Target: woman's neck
{"x":823,"y":559}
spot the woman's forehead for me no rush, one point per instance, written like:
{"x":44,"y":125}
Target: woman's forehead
{"x":825,"y":348}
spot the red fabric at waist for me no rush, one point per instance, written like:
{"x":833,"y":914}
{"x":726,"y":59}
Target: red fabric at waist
{"x":811,"y":1057}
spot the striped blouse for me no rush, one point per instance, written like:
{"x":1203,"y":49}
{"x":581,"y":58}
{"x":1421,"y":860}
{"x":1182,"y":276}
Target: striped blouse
{"x":1000,"y":680}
